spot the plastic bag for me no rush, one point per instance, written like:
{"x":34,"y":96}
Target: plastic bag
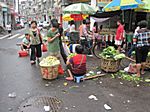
{"x":132,"y":68}
{"x":44,"y":48}
{"x":60,"y":70}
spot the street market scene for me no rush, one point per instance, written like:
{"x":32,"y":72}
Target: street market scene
{"x":75,"y":55}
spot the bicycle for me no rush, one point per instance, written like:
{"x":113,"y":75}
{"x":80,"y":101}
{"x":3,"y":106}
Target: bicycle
{"x":98,"y":47}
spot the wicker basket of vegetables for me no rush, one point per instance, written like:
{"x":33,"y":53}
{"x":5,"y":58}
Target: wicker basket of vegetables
{"x":110,"y":59}
{"x":49,"y":67}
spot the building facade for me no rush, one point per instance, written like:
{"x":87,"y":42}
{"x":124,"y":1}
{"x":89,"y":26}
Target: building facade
{"x":41,"y":10}
{"x":6,"y":12}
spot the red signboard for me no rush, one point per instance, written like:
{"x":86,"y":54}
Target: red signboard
{"x":74,"y":1}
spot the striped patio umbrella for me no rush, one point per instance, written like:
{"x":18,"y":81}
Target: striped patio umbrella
{"x":79,"y":8}
{"x":122,"y":5}
{"x":67,"y":17}
{"x":75,"y":17}
{"x":145,"y":7}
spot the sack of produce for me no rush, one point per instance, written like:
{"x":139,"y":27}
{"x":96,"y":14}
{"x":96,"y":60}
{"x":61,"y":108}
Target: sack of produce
{"x":49,"y":67}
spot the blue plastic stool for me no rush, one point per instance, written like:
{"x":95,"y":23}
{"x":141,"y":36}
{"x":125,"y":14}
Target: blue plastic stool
{"x":78,"y":78}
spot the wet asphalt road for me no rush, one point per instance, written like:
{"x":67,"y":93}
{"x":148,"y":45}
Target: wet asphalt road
{"x":17,"y":75}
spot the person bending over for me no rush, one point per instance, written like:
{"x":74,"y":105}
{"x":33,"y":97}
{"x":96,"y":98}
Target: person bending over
{"x":76,"y":64}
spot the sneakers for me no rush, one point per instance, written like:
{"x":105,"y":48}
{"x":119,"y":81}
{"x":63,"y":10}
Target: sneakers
{"x":33,"y":62}
{"x":90,"y":55}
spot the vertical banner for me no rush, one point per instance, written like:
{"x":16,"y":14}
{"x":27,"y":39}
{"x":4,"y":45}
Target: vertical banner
{"x":93,"y":3}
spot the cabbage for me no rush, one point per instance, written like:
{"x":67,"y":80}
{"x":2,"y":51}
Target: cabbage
{"x":119,"y":56}
{"x":111,"y":53}
{"x":149,"y":54}
{"x":133,"y":52}
{"x":49,"y":61}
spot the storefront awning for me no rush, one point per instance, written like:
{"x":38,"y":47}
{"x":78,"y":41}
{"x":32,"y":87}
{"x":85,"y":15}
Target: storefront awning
{"x":145,"y":7}
{"x":106,"y":14}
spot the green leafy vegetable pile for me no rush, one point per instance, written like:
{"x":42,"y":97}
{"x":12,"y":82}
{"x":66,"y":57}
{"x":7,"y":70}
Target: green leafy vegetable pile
{"x":111,"y":53}
{"x":72,"y":55}
{"x":49,"y":61}
{"x":125,"y":76}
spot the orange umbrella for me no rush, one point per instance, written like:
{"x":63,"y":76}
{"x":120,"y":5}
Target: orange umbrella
{"x":75,"y":17}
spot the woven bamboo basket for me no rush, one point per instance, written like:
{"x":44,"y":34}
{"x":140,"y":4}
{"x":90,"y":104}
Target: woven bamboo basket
{"x":109,"y":65}
{"x":50,"y":72}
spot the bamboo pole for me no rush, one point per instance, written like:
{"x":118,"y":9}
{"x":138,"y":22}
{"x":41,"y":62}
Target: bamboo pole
{"x":94,"y":76}
{"x":135,"y":61}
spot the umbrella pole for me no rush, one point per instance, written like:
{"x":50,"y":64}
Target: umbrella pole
{"x":109,"y":24}
{"x":130,"y":21}
{"x":123,"y":15}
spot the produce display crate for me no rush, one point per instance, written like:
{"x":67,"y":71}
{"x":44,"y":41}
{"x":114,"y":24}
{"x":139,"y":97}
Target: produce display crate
{"x":109,"y":65}
{"x":49,"y":72}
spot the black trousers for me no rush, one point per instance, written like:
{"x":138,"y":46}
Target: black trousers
{"x":62,"y":51}
{"x":141,"y":54}
{"x":35,"y":52}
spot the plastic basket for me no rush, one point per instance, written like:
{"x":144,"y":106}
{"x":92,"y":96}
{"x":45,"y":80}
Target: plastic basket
{"x":23,"y":53}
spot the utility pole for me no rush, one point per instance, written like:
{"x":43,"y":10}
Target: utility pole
{"x":19,"y":10}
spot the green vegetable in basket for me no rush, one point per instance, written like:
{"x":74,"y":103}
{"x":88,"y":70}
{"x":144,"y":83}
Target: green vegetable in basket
{"x":110,"y":52}
{"x":72,"y":55}
{"x":119,"y":56}
{"x":49,"y":61}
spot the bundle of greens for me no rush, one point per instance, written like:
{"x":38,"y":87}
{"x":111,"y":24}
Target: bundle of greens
{"x":72,"y":55}
{"x":125,"y":76}
{"x":111,"y":53}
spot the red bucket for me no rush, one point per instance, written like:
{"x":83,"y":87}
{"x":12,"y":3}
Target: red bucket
{"x":23,"y":53}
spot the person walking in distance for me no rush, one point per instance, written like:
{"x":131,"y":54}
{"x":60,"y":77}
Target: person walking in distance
{"x":8,"y":27}
{"x":35,"y":42}
{"x":119,"y":35}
